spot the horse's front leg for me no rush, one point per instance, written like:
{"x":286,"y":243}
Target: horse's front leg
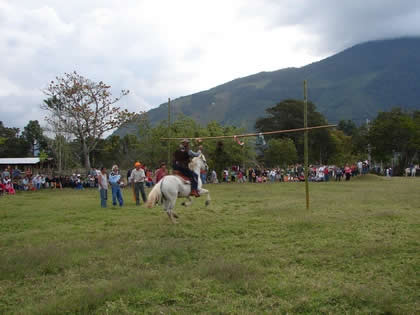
{"x":188,"y":202}
{"x":205,"y":191}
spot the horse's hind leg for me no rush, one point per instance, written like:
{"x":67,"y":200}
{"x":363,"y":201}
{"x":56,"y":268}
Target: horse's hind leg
{"x":169,"y":206}
{"x":171,"y":217}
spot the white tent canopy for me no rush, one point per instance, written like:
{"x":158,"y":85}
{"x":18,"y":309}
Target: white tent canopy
{"x":19,"y":161}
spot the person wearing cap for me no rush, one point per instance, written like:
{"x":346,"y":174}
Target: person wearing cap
{"x":182,"y":158}
{"x":137,"y":177}
{"x":115,"y":180}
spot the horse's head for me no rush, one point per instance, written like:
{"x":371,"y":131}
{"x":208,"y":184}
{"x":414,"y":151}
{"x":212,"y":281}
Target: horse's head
{"x":204,"y":162}
{"x":199,"y":162}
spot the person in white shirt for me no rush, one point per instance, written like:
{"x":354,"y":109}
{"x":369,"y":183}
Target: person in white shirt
{"x":25,"y":183}
{"x":360,"y":167}
{"x":137,"y":177}
{"x":42,"y":181}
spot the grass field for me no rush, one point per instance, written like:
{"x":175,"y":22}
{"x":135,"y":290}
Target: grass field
{"x":256,"y":249}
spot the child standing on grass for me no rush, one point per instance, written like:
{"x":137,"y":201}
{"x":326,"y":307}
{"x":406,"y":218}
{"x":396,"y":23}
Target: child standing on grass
{"x":115,"y":180}
{"x":103,"y":186}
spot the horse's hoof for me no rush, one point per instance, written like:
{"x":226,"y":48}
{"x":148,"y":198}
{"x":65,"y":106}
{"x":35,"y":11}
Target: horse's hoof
{"x":175,"y":215}
{"x":183,"y":204}
{"x":207,"y":202}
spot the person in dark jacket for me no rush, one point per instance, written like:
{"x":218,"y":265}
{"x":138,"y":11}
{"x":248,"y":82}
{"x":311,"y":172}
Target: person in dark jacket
{"x":182,"y":158}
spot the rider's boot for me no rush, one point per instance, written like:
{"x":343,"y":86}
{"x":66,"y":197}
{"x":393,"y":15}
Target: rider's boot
{"x":194,"y":193}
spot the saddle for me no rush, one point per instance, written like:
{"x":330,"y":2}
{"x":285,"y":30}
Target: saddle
{"x":185,"y":179}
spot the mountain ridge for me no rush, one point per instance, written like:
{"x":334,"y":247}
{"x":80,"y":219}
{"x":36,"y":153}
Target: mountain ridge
{"x":353,"y":84}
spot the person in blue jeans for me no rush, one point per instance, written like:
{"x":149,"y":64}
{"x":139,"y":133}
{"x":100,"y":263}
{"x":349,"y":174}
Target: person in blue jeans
{"x":115,"y":180}
{"x":103,"y":186}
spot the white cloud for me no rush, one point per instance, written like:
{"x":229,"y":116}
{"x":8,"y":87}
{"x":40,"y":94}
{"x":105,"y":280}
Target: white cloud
{"x":160,"y":49}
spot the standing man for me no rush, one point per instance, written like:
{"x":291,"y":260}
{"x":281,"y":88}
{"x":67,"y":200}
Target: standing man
{"x":182,"y":158}
{"x":326,"y":173}
{"x":115,"y":180}
{"x":360,"y":167}
{"x":103,"y":186}
{"x":161,"y":172}
{"x":137,"y":177}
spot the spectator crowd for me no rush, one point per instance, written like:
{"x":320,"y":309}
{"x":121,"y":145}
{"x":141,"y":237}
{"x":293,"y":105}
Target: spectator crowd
{"x":13,"y":180}
{"x":293,"y":173}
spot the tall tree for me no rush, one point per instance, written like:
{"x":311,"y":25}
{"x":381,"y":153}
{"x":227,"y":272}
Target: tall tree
{"x":84,"y":109}
{"x":12,"y":144}
{"x":348,"y":127}
{"x":280,"y":152}
{"x":395,"y":133}
{"x":34,"y":135}
{"x":288,"y":114}
{"x":345,"y":149}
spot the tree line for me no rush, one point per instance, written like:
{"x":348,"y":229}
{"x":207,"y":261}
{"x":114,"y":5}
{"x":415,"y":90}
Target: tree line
{"x":80,"y":113}
{"x":392,"y":138}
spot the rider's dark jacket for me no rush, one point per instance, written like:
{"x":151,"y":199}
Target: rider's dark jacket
{"x":181,"y":158}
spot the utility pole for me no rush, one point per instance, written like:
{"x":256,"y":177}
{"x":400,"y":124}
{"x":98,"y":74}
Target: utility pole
{"x":369,"y":149}
{"x":305,"y":141}
{"x":169,"y":132}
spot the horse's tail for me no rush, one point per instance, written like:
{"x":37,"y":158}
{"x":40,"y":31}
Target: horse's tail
{"x":154,"y":196}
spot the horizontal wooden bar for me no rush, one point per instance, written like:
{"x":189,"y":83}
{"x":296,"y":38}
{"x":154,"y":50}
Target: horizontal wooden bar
{"x":253,"y":134}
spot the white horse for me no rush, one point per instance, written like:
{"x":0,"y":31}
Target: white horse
{"x":169,"y":188}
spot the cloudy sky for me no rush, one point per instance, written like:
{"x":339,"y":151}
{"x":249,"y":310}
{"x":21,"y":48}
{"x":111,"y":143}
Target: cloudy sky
{"x":159,"y":49}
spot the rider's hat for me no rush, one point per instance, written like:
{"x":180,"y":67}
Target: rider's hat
{"x":137,"y":164}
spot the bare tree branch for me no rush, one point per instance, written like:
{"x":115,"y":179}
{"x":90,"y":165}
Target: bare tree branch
{"x":84,"y":108}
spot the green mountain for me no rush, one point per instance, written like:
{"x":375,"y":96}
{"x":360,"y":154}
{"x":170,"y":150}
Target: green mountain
{"x":354,"y":84}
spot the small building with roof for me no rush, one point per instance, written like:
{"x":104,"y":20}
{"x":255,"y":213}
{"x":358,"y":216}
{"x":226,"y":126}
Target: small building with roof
{"x":33,"y":164}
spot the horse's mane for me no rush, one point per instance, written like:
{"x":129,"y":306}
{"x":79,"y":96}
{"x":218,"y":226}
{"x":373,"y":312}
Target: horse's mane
{"x":195,"y":159}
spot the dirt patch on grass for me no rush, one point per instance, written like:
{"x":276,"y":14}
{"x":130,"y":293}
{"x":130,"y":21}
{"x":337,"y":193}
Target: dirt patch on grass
{"x":369,"y":178}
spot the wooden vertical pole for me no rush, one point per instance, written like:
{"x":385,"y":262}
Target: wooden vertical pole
{"x":169,"y":133}
{"x":305,"y":122}
{"x":243,"y":157}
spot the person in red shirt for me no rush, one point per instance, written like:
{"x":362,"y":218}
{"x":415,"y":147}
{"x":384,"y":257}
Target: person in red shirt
{"x":326,"y":173}
{"x":347,"y":172}
{"x":161,"y":172}
{"x":149,"y":179}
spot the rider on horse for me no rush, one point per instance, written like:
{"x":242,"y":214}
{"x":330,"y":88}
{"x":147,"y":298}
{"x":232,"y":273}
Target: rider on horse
{"x":182,"y":158}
